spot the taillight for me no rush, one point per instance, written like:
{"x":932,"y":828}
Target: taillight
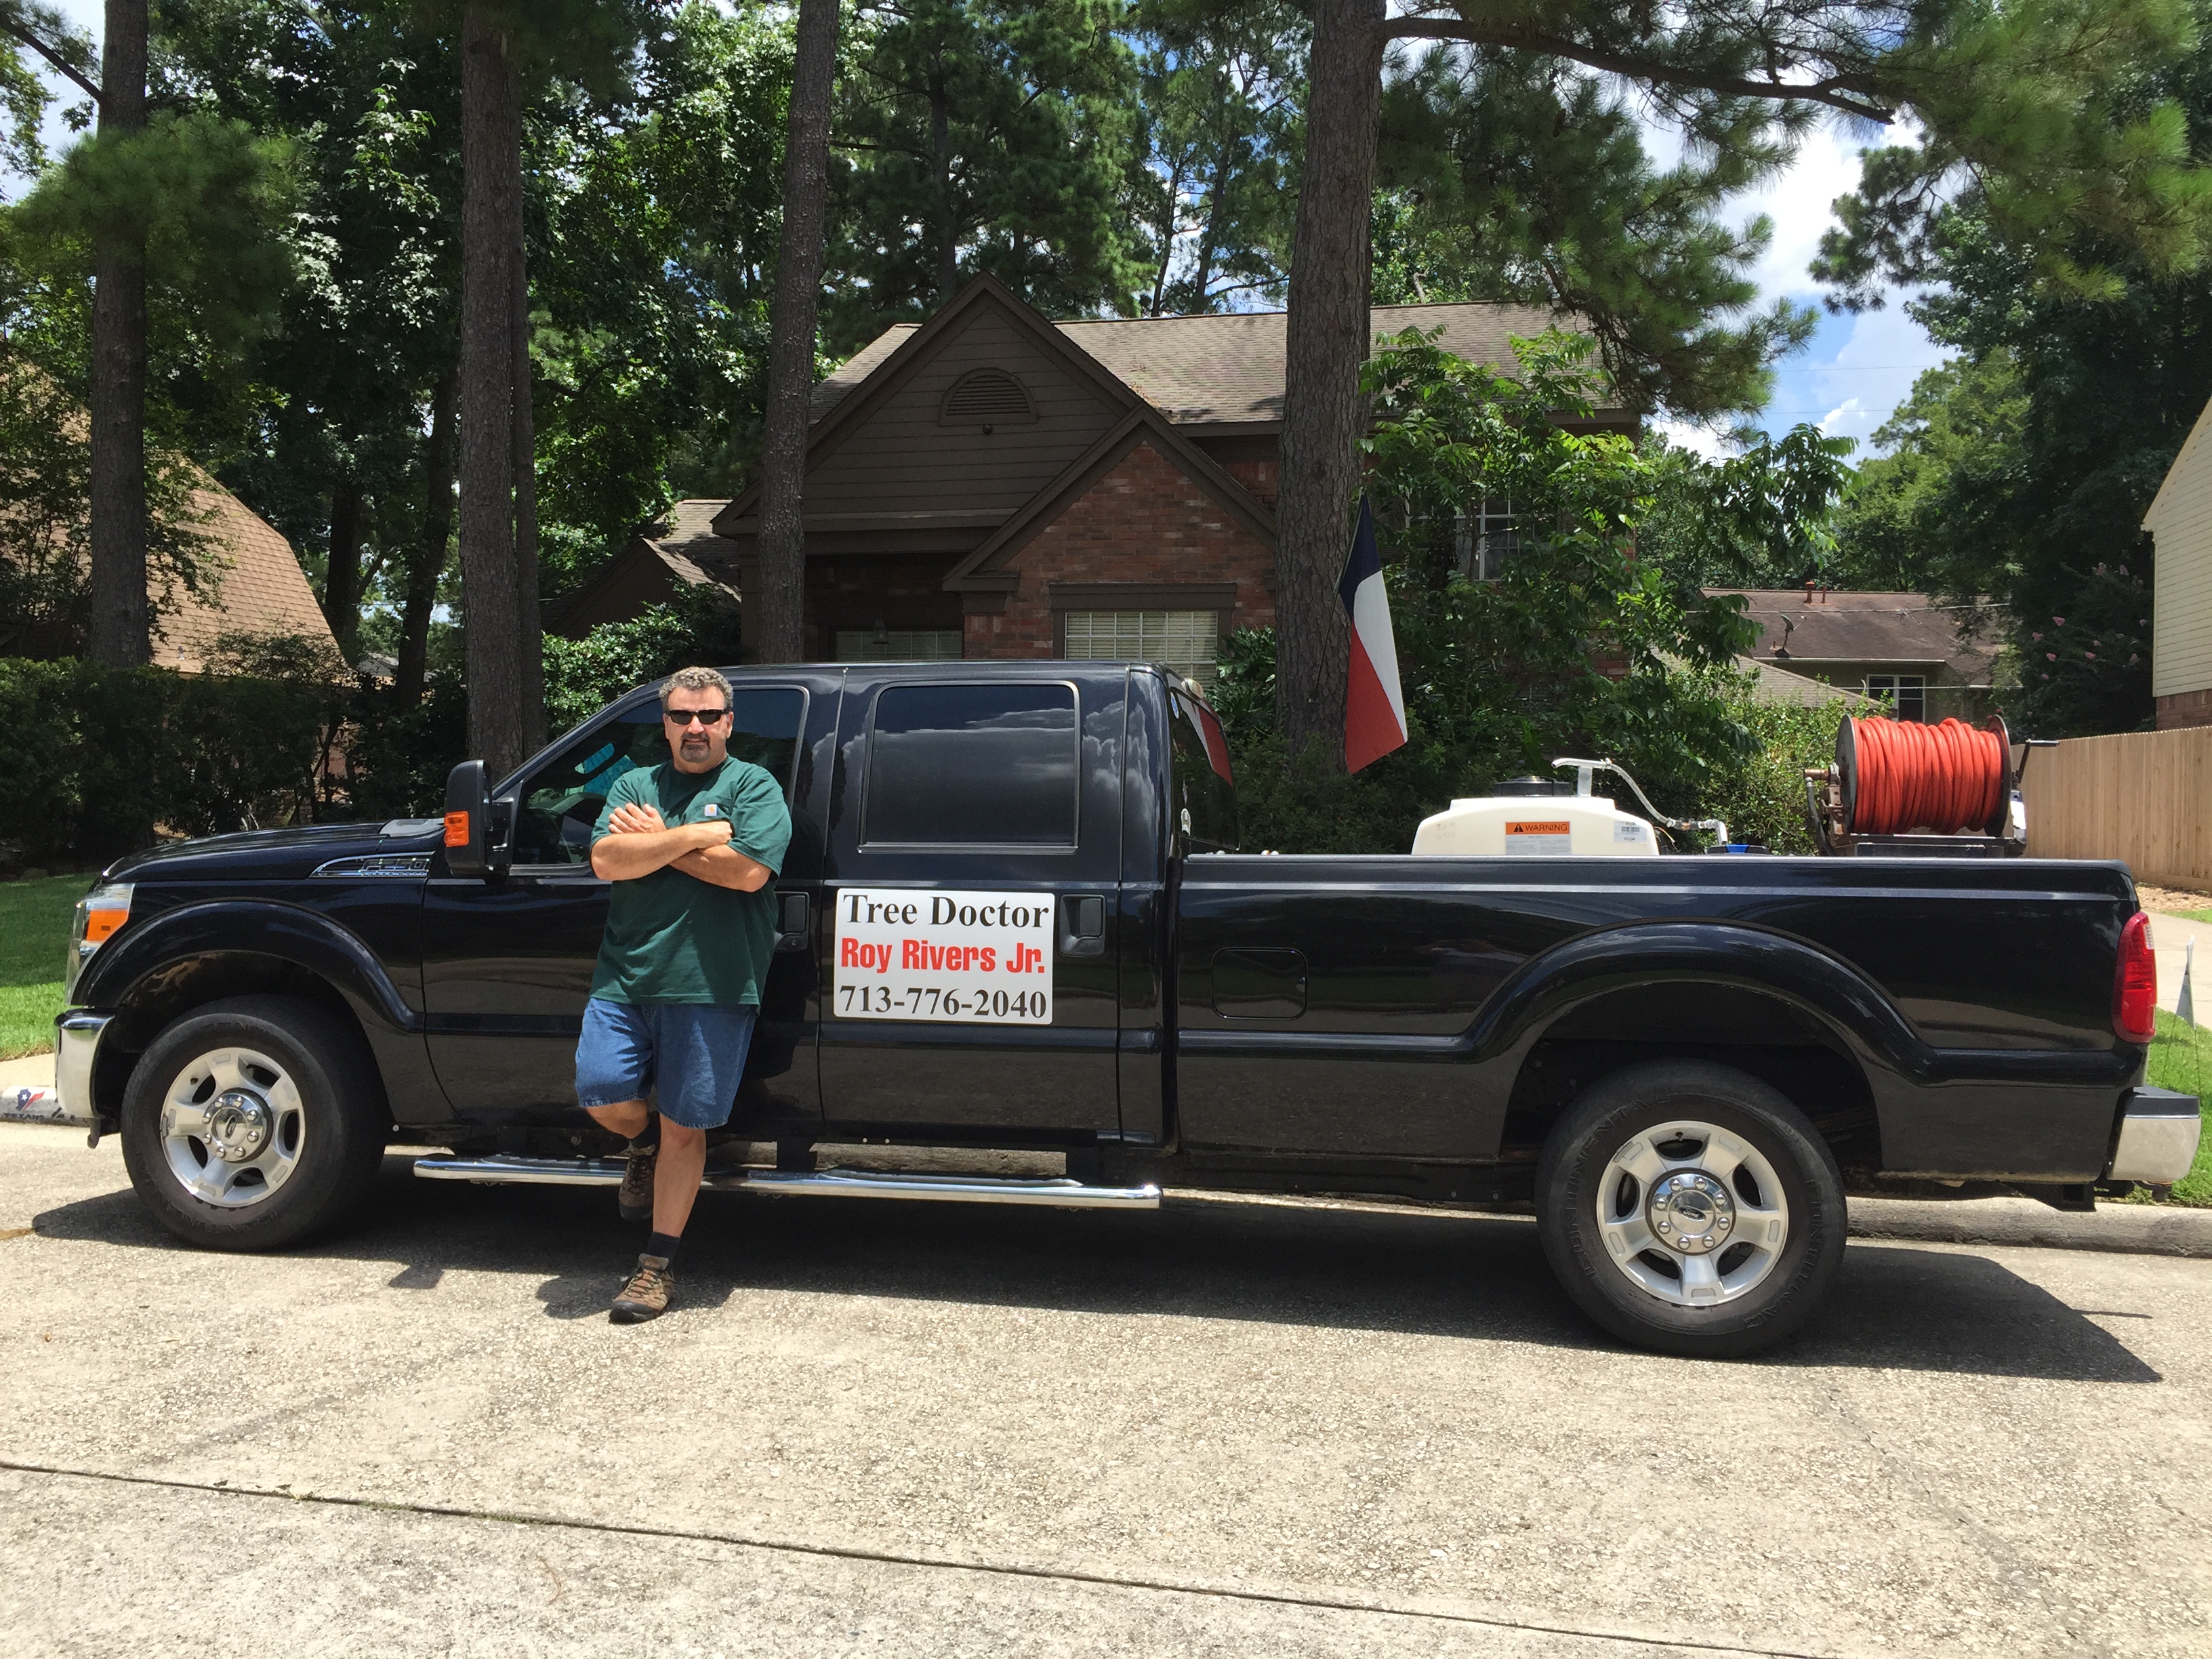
{"x":2135,"y":983}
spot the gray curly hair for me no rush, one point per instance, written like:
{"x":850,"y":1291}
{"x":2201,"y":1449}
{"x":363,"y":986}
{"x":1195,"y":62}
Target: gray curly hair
{"x":695,"y":680}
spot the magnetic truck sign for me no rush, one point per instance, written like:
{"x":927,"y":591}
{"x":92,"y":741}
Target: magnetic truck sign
{"x":926,"y":953}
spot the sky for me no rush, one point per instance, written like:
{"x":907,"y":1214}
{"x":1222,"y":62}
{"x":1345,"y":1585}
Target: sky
{"x":1855,"y":369}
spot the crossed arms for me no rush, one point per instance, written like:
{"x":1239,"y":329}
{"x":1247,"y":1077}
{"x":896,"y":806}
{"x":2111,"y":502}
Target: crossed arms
{"x":638,"y":843}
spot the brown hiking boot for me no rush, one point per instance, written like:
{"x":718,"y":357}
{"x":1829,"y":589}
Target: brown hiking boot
{"x":646,"y":1295}
{"x":636,"y":1197}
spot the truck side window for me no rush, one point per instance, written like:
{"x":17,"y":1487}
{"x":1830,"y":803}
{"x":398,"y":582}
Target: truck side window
{"x":562,"y":799}
{"x":972,"y":766}
{"x":1201,"y":781}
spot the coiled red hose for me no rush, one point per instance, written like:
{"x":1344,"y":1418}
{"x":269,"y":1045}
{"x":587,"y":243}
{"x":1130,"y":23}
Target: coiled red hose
{"x":1948,"y":778}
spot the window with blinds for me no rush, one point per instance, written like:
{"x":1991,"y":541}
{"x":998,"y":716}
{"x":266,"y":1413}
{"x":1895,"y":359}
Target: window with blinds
{"x":898,"y":645}
{"x":1186,"y":641}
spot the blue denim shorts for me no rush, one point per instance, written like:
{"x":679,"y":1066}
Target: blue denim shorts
{"x":690,"y":1055}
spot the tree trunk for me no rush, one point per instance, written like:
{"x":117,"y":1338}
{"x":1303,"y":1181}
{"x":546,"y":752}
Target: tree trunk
{"x":524,"y":436}
{"x":121,"y":622}
{"x":428,"y":562}
{"x":342,"y":581}
{"x":1327,"y":328}
{"x":491,"y":591}
{"x":779,"y":603}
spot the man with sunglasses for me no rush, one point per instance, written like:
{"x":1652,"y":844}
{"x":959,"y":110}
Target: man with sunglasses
{"x":690,"y":847}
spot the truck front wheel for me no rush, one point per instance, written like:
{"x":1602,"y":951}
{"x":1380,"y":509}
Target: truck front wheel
{"x":249,"y":1123}
{"x":1690,"y":1208}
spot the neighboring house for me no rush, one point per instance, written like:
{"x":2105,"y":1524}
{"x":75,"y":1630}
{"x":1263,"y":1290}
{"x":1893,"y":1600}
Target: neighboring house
{"x":253,"y":585}
{"x":990,"y":483}
{"x":1900,"y":646}
{"x":681,"y":552}
{"x":1771,"y":684}
{"x":2179,"y":521}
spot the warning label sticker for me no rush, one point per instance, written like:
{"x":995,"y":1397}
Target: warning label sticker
{"x":923,"y":953}
{"x":1540,"y":838}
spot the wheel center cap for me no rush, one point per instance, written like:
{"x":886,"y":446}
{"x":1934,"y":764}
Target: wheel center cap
{"x":1690,"y":1211}
{"x":238,"y":1126}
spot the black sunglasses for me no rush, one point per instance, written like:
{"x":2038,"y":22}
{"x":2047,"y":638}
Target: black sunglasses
{"x":704,"y":716}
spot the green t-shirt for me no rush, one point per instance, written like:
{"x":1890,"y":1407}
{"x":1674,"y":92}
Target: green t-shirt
{"x":672,"y":937}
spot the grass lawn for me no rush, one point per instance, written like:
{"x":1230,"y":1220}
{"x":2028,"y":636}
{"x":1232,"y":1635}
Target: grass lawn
{"x":2193,"y":915}
{"x":2181,"y":1058}
{"x":34,"y":926}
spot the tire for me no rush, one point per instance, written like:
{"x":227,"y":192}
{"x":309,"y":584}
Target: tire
{"x":1668,"y":1240}
{"x":254,"y":1123}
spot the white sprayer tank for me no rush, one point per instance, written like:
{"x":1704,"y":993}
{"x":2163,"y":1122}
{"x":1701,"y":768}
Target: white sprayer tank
{"x":1534,"y":826}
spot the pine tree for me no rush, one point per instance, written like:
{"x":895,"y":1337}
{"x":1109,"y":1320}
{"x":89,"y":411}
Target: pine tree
{"x":984,"y":135}
{"x":1219,"y":89}
{"x":2019,"y":92}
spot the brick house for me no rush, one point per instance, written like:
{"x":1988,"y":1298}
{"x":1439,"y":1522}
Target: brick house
{"x":991,"y":484}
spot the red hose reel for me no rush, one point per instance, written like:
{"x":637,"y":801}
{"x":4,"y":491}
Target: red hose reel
{"x":1906,"y":779}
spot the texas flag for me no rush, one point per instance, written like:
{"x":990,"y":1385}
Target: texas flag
{"x":1374,"y":706}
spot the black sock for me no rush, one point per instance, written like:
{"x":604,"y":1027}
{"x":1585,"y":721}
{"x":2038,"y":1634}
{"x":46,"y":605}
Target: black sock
{"x":647,"y":1138}
{"x":664,"y":1245}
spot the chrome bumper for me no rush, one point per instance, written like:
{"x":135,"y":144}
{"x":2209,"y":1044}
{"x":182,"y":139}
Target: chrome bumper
{"x":77,"y":1040}
{"x":2159,"y":1132}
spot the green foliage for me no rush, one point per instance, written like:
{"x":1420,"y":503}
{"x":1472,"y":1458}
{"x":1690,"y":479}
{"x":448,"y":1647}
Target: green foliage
{"x":983,"y":135}
{"x":650,"y":286}
{"x":1928,"y":507}
{"x":1762,"y":799}
{"x":107,"y":752}
{"x":2072,"y":125}
{"x":1510,"y":175}
{"x":2021,"y":472}
{"x":397,"y":754}
{"x":206,"y":195}
{"x":1762,"y":516}
{"x":45,"y":475}
{"x":583,"y":676}
{"x":1576,"y":647}
{"x":1218,"y":92}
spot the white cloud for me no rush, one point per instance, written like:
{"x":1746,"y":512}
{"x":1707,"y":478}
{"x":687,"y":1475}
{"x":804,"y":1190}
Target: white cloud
{"x":1683,"y":435}
{"x":1827,"y":166}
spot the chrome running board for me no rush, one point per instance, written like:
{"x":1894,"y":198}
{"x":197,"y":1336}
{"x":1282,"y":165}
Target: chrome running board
{"x":499,"y":1169}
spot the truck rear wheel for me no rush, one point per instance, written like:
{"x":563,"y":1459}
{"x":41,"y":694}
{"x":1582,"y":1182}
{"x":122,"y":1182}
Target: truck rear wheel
{"x":248,"y":1123}
{"x":1690,"y":1208}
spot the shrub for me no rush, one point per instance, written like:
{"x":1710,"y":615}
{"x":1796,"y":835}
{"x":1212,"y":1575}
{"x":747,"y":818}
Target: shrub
{"x":103,"y":755}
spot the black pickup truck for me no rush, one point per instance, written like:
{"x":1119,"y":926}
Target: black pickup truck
{"x":1013,"y":917}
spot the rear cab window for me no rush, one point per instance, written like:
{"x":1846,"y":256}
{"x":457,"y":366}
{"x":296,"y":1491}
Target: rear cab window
{"x":976,"y":765}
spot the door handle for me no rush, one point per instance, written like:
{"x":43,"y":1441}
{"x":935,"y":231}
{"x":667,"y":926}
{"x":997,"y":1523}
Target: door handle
{"x":1082,"y":924}
{"x":794,"y":921}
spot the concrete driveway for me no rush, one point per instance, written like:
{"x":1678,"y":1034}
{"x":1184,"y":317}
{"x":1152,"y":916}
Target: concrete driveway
{"x":1227,"y":1428}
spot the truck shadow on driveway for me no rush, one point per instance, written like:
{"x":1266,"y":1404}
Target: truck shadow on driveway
{"x":1416,"y":1273}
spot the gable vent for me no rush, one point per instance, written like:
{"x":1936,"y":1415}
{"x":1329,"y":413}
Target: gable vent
{"x":986,"y":397}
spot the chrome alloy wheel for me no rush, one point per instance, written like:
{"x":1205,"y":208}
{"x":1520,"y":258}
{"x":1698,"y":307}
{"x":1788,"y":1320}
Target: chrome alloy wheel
{"x":1693,"y":1213}
{"x":233,"y":1128}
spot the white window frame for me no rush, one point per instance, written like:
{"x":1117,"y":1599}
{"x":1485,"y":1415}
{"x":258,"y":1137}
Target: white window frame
{"x":1188,"y":641}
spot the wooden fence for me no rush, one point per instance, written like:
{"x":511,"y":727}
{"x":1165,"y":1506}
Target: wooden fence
{"x":2142,"y":797}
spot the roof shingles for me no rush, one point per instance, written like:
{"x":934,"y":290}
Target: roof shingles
{"x":1224,"y":368}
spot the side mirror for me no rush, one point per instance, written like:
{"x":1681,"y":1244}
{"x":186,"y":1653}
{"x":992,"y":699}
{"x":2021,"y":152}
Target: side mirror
{"x":468,"y":820}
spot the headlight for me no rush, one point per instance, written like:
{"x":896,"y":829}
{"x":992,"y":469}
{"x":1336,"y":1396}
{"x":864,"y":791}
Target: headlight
{"x":98,"y":914}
